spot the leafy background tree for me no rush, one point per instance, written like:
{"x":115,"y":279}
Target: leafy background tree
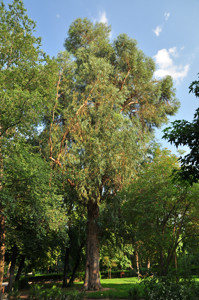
{"x":35,"y":215}
{"x":186,"y":133}
{"x":26,"y":86}
{"x":167,"y":204}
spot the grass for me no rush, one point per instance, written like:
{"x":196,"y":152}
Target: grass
{"x":116,"y":287}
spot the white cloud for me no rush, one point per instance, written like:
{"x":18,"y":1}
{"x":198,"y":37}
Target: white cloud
{"x":58,"y":16}
{"x":166,"y":16}
{"x":103,"y":17}
{"x":157,"y":30}
{"x":173,"y":51}
{"x":166,"y":66}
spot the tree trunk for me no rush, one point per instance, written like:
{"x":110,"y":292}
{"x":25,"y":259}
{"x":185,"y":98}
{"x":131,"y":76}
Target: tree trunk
{"x":137,"y":263}
{"x":66,"y":262}
{"x":12,"y":267}
{"x":78,"y":258}
{"x":92,"y":276}
{"x":2,"y":222}
{"x":2,"y":246}
{"x":21,"y":266}
{"x":148,"y":263}
{"x":175,"y":261}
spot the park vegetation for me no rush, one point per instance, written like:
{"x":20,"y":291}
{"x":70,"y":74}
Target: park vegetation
{"x":85,"y":191}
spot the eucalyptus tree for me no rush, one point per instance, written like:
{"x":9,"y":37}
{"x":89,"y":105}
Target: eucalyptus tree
{"x":26,"y":86}
{"x":107,"y":104}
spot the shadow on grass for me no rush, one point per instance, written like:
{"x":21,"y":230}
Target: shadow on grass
{"x":114,"y":288}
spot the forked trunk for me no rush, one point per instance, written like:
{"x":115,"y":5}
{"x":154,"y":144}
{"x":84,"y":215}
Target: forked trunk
{"x":92,"y":276}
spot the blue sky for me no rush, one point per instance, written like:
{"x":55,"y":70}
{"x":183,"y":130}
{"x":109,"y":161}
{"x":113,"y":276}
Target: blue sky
{"x":166,"y":30}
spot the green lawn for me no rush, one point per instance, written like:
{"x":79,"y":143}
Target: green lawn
{"x":116,"y":287}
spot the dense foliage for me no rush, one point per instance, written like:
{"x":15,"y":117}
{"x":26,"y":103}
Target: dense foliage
{"x":186,"y":133}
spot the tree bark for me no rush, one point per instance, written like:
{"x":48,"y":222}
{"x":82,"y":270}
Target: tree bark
{"x":66,"y":262}
{"x":137,"y":263}
{"x":2,"y":246}
{"x":12,"y":267}
{"x":78,"y":258}
{"x":92,"y":276}
{"x":2,"y":222}
{"x":148,"y":263}
{"x":21,"y":266}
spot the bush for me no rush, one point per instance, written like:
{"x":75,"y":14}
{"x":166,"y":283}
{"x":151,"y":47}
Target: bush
{"x":54,"y":277}
{"x":14,"y":295}
{"x":38,"y":292}
{"x":135,"y":292}
{"x":117,"y":274}
{"x":167,"y":289}
{"x":44,"y":277}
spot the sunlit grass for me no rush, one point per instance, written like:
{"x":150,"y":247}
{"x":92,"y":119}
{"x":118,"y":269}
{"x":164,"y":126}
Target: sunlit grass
{"x":116,"y":287}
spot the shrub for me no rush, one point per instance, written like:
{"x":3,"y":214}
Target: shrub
{"x":117,"y":274}
{"x":54,"y":293}
{"x":167,"y":289}
{"x":134,"y":293}
{"x":14,"y":295}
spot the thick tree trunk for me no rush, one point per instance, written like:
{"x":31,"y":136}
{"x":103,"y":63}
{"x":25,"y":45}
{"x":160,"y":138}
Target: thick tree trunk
{"x":21,"y":266}
{"x":92,"y":276}
{"x":12,"y":267}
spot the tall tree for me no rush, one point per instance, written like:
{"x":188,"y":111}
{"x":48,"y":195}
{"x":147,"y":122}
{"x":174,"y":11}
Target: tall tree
{"x":186,"y":133}
{"x":105,"y":110}
{"x":26,"y":86}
